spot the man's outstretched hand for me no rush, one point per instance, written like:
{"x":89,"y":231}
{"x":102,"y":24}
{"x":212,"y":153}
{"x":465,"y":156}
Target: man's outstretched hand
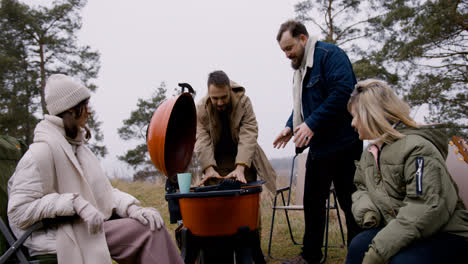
{"x":283,"y":138}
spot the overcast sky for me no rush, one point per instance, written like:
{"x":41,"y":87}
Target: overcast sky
{"x":146,"y":42}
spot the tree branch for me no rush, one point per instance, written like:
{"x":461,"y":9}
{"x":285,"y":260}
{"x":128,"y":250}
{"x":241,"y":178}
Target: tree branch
{"x":459,"y":19}
{"x":344,"y":8}
{"x":317,"y":24}
{"x":351,"y":39}
{"x":447,"y":55}
{"x":351,"y":26}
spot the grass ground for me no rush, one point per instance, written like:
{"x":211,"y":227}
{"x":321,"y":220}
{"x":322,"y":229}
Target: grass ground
{"x":153,"y":195}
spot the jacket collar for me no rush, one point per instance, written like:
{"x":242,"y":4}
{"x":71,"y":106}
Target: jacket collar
{"x":308,"y":60}
{"x":51,"y":131}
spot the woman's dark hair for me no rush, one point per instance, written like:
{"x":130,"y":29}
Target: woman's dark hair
{"x":71,"y":130}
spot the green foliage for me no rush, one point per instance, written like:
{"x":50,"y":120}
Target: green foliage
{"x":39,"y":42}
{"x":18,"y":84}
{"x":426,"y":42}
{"x":365,"y":69}
{"x":134,"y":128}
{"x":346,"y":24}
{"x":417,"y":46}
{"x":339,"y":21}
{"x":99,"y":150}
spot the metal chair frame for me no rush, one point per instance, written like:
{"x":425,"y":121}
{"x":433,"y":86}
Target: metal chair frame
{"x":17,"y":244}
{"x":286,"y":206}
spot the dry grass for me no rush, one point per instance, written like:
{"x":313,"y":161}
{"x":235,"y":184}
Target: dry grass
{"x":282,"y":246}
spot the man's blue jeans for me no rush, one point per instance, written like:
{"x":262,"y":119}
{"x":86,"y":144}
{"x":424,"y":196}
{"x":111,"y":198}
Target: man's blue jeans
{"x":440,"y":248}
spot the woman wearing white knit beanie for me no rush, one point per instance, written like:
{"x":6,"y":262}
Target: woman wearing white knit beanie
{"x":63,"y":93}
{"x":60,"y":176}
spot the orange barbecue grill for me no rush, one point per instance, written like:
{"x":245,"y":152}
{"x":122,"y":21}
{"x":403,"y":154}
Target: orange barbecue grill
{"x":220,"y":212}
{"x":223,"y":215}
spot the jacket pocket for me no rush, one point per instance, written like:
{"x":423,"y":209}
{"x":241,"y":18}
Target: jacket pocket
{"x":315,"y":92}
{"x":393,"y":181}
{"x":313,"y":81}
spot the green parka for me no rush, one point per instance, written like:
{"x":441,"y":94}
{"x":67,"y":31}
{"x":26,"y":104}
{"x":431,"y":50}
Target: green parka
{"x":406,"y":188}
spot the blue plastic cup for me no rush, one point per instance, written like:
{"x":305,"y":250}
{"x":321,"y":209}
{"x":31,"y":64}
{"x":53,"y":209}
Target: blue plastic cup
{"x":184,"y":180}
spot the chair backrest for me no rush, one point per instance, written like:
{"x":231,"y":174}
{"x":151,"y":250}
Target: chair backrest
{"x":11,"y":151}
{"x":457,"y":164}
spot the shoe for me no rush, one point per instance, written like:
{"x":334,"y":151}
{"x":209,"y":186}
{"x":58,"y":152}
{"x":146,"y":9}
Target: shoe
{"x":297,"y":260}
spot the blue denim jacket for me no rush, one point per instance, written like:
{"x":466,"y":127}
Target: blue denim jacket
{"x":326,"y":89}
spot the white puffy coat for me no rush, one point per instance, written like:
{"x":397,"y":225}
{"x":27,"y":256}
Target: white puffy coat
{"x":30,"y":201}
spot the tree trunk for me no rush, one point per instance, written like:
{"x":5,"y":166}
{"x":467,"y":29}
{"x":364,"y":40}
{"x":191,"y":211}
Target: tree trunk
{"x":330,"y":22}
{"x":43,"y":78}
{"x":29,"y":128}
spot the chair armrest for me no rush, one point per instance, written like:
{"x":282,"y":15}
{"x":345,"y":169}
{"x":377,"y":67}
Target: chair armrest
{"x":53,"y":222}
{"x":16,"y":245}
{"x":282,"y":190}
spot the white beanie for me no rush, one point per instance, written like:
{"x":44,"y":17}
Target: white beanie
{"x":63,"y":93}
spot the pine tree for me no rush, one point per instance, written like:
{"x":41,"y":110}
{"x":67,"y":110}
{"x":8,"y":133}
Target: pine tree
{"x":134,"y":128}
{"x":49,"y":40}
{"x":418,"y":46}
{"x":428,"y":41}
{"x":18,"y":86}
{"x":345,"y":23}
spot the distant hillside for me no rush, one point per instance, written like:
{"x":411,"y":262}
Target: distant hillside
{"x":281,"y":163}
{"x":282,"y":167}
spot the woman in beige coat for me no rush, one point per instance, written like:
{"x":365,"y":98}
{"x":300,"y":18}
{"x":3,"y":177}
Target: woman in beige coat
{"x":60,"y":176}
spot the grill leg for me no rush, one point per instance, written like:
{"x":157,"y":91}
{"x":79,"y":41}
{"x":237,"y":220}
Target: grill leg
{"x":189,"y":247}
{"x":244,"y":246}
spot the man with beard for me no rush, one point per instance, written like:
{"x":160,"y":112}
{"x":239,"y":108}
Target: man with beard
{"x":227,"y":133}
{"x":322,"y":83}
{"x":226,"y":145}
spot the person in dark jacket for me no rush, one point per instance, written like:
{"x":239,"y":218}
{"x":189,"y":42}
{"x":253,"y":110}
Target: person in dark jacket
{"x":323,"y":81}
{"x":405,"y":199}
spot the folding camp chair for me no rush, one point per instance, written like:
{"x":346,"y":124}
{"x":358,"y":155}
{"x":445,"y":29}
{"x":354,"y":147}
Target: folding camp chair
{"x":11,"y":151}
{"x":287,"y":206}
{"x":17,"y":249}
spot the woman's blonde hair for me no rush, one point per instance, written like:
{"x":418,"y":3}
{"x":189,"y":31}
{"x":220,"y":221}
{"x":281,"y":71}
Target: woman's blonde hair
{"x":378,"y":108}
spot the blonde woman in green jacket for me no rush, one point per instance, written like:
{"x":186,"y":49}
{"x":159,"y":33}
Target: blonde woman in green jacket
{"x":405,"y":199}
